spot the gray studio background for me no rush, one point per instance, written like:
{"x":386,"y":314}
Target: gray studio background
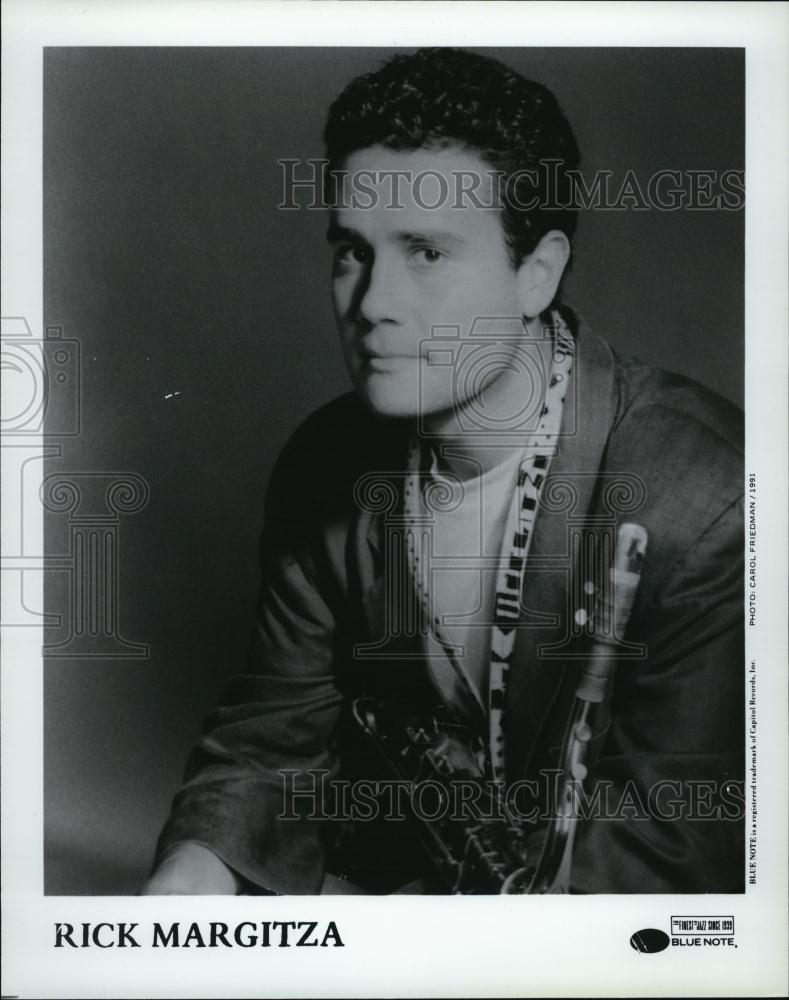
{"x":205,"y":332}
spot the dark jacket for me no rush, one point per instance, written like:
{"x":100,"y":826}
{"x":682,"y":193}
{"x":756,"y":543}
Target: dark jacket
{"x":637,"y":444}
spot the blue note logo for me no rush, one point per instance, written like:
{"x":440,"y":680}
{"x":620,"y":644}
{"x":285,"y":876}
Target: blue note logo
{"x":649,"y":940}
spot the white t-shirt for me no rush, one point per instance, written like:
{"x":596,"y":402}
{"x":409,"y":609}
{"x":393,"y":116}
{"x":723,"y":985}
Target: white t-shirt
{"x":466,"y":548}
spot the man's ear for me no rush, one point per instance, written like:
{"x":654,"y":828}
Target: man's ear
{"x":540,"y":273}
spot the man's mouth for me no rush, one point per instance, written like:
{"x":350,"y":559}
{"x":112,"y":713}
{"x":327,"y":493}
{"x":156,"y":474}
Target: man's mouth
{"x":369,"y":352}
{"x":384,"y":362}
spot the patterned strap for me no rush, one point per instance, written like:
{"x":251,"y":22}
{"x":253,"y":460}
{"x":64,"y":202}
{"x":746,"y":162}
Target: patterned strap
{"x":539,"y":448}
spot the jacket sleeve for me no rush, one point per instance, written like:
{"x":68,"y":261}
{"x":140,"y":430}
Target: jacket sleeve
{"x":274,"y":725}
{"x":672,"y":767}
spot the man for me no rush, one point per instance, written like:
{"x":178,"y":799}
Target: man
{"x":435,"y":543}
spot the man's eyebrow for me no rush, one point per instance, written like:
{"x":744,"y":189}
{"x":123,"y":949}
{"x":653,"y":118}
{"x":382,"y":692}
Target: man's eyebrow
{"x":443,"y":236}
{"x":339,"y":234}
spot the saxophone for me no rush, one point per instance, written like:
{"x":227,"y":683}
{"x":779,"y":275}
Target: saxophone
{"x":494,"y":851}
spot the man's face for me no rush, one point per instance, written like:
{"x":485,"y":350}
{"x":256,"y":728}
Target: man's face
{"x":400,"y":272}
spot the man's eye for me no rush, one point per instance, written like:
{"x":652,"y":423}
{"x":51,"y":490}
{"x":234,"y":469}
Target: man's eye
{"x":352,"y":254}
{"x":427,"y":255}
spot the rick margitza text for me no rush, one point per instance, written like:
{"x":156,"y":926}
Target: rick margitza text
{"x":212,"y":934}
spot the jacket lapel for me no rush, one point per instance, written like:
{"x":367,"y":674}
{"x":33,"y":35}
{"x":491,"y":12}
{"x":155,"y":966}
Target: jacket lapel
{"x":535,"y":676}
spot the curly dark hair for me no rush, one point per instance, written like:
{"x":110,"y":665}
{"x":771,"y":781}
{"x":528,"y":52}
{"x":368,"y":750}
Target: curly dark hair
{"x":438,"y":97}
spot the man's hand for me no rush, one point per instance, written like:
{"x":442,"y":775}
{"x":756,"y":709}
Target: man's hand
{"x":192,"y":870}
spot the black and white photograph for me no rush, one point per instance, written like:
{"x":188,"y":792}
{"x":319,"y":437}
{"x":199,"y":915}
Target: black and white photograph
{"x":392,"y":490}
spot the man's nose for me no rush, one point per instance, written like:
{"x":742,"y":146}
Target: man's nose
{"x":381,"y":293}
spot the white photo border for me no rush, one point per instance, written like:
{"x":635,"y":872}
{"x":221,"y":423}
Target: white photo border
{"x":430,"y":946}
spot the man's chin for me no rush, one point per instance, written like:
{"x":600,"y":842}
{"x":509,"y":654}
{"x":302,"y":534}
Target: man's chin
{"x":385,"y":398}
{"x":386,"y":406}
